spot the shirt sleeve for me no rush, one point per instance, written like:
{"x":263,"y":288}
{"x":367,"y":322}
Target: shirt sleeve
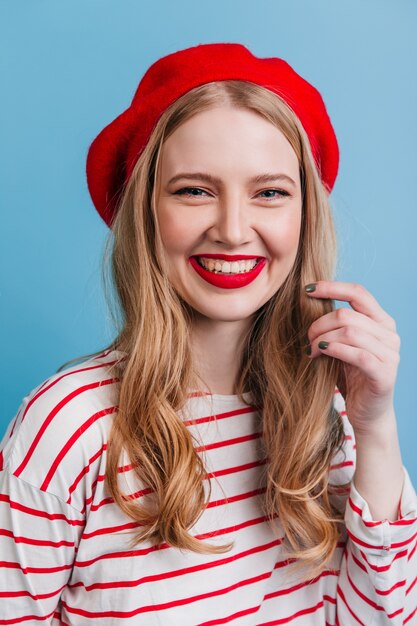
{"x":377,"y":583}
{"x":39,"y":533}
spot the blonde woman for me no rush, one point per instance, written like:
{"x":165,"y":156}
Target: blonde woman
{"x":232,"y":457}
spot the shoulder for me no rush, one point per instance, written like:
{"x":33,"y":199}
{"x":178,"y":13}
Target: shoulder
{"x":62,"y":424}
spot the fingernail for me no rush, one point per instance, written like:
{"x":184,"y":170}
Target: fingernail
{"x":311,"y":287}
{"x":323,"y":345}
{"x":308,"y":350}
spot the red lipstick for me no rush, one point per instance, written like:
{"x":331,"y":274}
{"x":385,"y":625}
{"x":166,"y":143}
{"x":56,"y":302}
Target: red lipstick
{"x":228,"y":281}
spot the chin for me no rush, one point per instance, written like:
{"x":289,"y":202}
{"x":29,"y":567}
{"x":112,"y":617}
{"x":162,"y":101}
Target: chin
{"x":227,"y":315}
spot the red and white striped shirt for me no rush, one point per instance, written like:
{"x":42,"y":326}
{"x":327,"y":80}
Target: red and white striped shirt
{"x":64,"y":553}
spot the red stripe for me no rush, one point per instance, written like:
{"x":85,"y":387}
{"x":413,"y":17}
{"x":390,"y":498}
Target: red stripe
{"x":371,"y":524}
{"x":228,"y":442}
{"x":39,"y":596}
{"x":359,"y":512}
{"x":393,"y":546}
{"x":197,"y":394}
{"x":85,"y":470}
{"x":142,"y":492}
{"x":110,"y":530}
{"x":38,"y":513}
{"x":61,"y":622}
{"x":234,"y":528}
{"x":119,"y":555}
{"x":71,"y":441}
{"x":362,"y":566}
{"x":342,"y":596}
{"x":386,"y":592}
{"x":19,"y":620}
{"x":367,"y":600}
{"x":286,"y":562}
{"x":179,"y":572}
{"x":110,"y":500}
{"x":43,"y":388}
{"x":54,"y":412}
{"x":237,"y":498}
{"x":290,"y":618}
{"x":164,"y":546}
{"x":412,"y":551}
{"x":106,"y":353}
{"x":36,"y":542}
{"x":407,"y":619}
{"x":225,"y":620}
{"x":35,"y":570}
{"x":236,"y":469}
{"x":340,"y":465}
{"x":137,"y":494}
{"x":87,"y":501}
{"x":287,"y":590}
{"x":168,"y":605}
{"x":407,"y":591}
{"x":381,"y":568}
{"x":219,"y":416}
{"x":125,"y":468}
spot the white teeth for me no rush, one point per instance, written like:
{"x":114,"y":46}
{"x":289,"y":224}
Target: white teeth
{"x":226,"y":267}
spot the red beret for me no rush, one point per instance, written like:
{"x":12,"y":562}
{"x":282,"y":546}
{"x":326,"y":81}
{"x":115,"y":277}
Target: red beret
{"x":114,"y":152}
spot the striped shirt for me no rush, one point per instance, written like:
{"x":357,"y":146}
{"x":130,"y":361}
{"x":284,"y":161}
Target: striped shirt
{"x":65,"y":557}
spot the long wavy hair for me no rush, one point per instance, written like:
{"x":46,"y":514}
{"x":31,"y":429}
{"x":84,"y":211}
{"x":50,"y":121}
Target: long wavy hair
{"x":294,"y":394}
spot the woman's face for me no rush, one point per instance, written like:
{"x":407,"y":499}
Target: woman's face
{"x":229,"y":186}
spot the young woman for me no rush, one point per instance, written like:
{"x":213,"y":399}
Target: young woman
{"x":204,"y":468}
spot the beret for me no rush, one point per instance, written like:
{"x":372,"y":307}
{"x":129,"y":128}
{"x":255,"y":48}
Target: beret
{"x":114,"y":152}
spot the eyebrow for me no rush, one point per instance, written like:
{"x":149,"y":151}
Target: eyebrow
{"x":261,"y":178}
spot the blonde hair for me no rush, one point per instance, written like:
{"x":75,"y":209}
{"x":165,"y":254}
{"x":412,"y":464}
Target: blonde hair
{"x":294,"y":394}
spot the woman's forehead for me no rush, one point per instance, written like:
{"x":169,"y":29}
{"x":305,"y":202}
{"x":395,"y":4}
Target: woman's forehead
{"x":227,"y":139}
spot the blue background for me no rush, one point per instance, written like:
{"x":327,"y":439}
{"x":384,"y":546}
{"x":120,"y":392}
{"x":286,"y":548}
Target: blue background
{"x":68,"y":68}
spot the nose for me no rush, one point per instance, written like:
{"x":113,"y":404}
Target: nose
{"x":231,"y":225}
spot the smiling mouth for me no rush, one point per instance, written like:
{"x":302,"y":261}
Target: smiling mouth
{"x":221,"y":266}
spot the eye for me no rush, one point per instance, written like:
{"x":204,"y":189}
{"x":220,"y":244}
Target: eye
{"x":190,"y":192}
{"x":281,"y":193}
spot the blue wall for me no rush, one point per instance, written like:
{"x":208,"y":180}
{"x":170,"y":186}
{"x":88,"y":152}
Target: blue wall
{"x":68,"y":68}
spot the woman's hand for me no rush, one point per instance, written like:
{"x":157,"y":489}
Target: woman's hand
{"x":365,"y":339}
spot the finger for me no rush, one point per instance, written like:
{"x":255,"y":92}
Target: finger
{"x":353,"y":322}
{"x":356,"y":295}
{"x":366,"y":362}
{"x":355,"y":338}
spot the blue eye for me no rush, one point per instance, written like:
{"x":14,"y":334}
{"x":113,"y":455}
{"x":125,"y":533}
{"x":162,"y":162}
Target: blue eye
{"x":191,"y":192}
{"x":186,"y":192}
{"x":281,"y":193}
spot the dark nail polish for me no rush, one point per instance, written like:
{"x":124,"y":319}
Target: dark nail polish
{"x":308,"y":350}
{"x":323,"y":345}
{"x":310,"y":288}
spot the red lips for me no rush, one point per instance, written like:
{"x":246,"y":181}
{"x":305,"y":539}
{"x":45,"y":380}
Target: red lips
{"x":228,"y":281}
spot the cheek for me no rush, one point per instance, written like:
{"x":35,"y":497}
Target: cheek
{"x":175,"y":233}
{"x":284,"y":235}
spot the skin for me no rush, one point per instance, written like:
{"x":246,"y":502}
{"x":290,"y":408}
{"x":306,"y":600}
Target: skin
{"x":235,"y":216}
{"x":365,"y":339}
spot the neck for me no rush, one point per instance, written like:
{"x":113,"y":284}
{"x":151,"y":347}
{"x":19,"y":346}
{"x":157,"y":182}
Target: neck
{"x":217,"y":348}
